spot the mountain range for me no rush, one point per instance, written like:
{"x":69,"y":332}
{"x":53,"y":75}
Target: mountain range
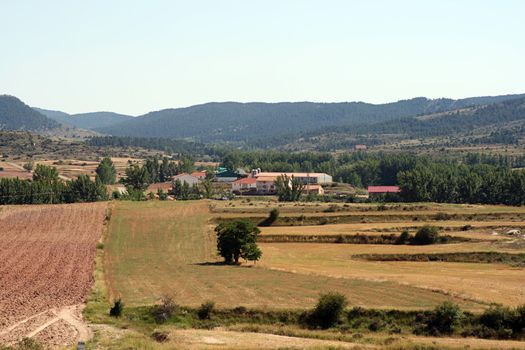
{"x":265,"y":124}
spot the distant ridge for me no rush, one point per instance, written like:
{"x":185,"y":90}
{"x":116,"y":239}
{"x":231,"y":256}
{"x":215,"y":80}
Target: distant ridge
{"x":16,"y":115}
{"x":245,"y":122}
{"x":88,"y":121}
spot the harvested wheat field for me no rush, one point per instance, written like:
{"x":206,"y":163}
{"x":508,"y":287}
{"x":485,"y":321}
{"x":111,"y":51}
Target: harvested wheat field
{"x":47,"y":254}
{"x":159,"y":248}
{"x":473,"y":281}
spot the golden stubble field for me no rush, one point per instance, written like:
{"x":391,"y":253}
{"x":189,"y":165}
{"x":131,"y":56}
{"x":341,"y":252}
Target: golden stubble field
{"x":159,"y":248}
{"x":485,"y":283}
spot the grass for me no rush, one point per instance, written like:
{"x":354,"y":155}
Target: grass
{"x":481,"y":282}
{"x":168,"y":248}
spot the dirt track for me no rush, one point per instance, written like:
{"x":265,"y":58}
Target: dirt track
{"x":47,"y":259}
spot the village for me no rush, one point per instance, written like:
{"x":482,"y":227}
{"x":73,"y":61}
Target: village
{"x":262,"y":183}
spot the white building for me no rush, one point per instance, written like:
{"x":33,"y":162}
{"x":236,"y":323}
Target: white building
{"x":189,"y":179}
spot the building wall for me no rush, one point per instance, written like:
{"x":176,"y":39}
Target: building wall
{"x":190,"y":180}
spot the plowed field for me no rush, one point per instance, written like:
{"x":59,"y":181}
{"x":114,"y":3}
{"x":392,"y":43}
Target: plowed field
{"x":47,"y":258}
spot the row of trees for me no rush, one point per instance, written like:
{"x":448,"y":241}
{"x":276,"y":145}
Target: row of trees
{"x":451,"y":183}
{"x":47,"y":188}
{"x":474,"y":178}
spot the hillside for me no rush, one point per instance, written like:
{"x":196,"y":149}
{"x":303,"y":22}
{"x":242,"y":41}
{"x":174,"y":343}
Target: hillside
{"x":16,"y":115}
{"x":248,"y":122}
{"x":88,"y":121}
{"x":500,"y":123}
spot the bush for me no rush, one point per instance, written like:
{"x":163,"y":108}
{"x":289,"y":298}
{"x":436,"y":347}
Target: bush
{"x":163,"y":312}
{"x":274,"y":215}
{"x":426,"y":235}
{"x":444,"y":319}
{"x":403,"y":238}
{"x":328,"y":311}
{"x":205,"y":310}
{"x":117,"y":309}
{"x":498,"y":321}
{"x":160,"y":337}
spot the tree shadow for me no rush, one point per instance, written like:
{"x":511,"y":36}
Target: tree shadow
{"x":221,"y":263}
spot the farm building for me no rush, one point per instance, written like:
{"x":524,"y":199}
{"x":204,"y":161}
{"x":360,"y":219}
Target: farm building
{"x":382,"y":190}
{"x":263,"y":183}
{"x":246,"y":185}
{"x":189,"y":179}
{"x":228,"y":176}
{"x":311,"y":178}
{"x":313,"y":189}
{"x":201,"y":175}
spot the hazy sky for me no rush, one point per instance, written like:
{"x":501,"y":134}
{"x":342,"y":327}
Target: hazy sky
{"x":137,"y":56}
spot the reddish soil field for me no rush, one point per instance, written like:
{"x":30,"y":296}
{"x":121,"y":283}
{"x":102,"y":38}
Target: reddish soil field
{"x":47,"y":257}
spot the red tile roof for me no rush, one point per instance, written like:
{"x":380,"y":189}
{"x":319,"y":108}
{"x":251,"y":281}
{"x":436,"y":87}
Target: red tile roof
{"x":384,"y":189}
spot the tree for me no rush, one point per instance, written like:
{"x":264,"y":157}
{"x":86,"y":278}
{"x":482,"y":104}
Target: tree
{"x":137,"y":178}
{"x":106,"y":171}
{"x":84,"y":190}
{"x":289,"y":189}
{"x":237,"y":239}
{"x":45,"y":173}
{"x":274,"y":215}
{"x":207,"y":188}
{"x":186,"y":165}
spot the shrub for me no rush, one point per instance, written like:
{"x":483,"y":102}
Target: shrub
{"x":328,"y":311}
{"x":272,"y":218}
{"x":160,"y":337}
{"x":444,"y":319}
{"x":403,"y":238}
{"x":498,"y":322}
{"x":205,"y":310}
{"x":163,"y":312}
{"x":443,"y":216}
{"x":117,"y":309}
{"x":426,"y":235}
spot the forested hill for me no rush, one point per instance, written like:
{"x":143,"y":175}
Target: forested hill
{"x":16,"y":115}
{"x":230,"y":121}
{"x":459,"y":121}
{"x":88,"y":121}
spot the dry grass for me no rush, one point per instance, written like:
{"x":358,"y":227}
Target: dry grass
{"x":480,"y":229}
{"x":482,"y":282}
{"x":157,"y":248}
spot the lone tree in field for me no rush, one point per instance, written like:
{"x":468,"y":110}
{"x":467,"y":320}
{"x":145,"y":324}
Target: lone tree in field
{"x":106,"y":171}
{"x":238,"y":239}
{"x":289,"y":189}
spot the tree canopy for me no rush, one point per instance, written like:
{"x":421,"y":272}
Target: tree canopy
{"x":238,"y":239}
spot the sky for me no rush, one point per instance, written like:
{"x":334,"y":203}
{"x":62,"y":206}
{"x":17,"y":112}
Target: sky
{"x":138,"y":56}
